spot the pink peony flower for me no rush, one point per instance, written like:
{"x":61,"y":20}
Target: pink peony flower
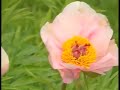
{"x":79,"y":39}
{"x":5,"y":62}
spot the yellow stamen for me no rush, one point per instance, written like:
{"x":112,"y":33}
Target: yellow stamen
{"x":78,"y":51}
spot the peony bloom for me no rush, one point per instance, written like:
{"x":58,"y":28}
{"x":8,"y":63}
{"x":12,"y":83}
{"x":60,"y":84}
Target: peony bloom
{"x":79,"y":39}
{"x":5,"y":62}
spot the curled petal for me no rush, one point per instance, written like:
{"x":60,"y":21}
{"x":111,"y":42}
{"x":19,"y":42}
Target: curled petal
{"x":102,"y":70}
{"x":108,"y":61}
{"x":45,"y":32}
{"x":113,"y":49}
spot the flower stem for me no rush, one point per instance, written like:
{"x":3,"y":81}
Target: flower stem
{"x":85,"y":79}
{"x":63,"y":86}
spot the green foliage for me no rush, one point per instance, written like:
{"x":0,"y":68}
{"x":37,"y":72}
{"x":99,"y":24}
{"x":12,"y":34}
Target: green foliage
{"x":29,"y":66}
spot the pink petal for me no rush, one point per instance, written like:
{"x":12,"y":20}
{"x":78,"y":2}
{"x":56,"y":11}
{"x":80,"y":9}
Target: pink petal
{"x":79,"y":19}
{"x":100,"y":40}
{"x":102,"y":70}
{"x":87,"y":23}
{"x":4,"y":61}
{"x":52,"y":45}
{"x":46,"y":32}
{"x":54,"y":54}
{"x":4,"y":69}
{"x":113,"y":49}
{"x":108,"y":61}
{"x":68,"y":75}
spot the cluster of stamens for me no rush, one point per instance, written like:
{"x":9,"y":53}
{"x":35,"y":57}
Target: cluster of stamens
{"x":78,"y":51}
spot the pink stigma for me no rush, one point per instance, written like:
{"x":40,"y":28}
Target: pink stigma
{"x":79,"y":50}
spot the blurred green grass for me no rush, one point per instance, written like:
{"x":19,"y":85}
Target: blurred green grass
{"x":29,"y":66}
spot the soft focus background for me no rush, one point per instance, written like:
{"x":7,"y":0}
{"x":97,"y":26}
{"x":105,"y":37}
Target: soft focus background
{"x":29,"y":66}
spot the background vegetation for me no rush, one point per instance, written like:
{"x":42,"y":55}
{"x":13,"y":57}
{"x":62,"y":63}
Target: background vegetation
{"x":29,"y":66}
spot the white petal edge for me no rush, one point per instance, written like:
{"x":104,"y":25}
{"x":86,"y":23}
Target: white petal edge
{"x":78,"y":6}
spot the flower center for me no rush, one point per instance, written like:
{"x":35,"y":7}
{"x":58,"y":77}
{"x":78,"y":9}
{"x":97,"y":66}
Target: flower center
{"x":78,"y":51}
